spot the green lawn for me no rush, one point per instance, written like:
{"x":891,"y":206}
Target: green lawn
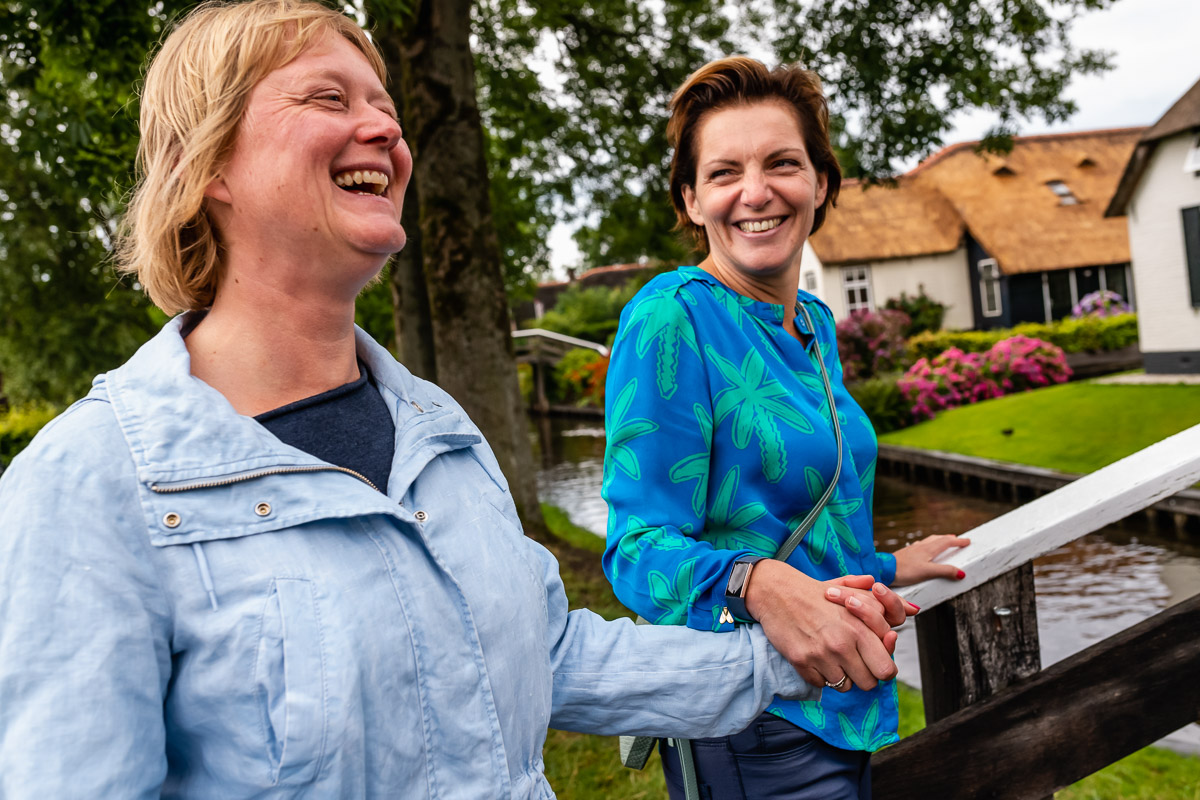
{"x":582,"y":767}
{"x":1075,"y":427}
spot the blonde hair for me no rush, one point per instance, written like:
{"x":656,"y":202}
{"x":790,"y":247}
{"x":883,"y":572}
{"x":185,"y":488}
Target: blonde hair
{"x":738,"y":80}
{"x":195,"y":93}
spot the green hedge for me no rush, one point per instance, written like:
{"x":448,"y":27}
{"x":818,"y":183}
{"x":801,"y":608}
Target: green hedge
{"x":886,"y":406}
{"x":18,"y":426}
{"x":1095,"y":334}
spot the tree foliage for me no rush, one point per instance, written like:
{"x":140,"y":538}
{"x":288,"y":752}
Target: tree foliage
{"x":68,"y":133}
{"x":573,"y":101}
{"x":897,"y":71}
{"x":584,"y":133}
{"x":587,"y":313}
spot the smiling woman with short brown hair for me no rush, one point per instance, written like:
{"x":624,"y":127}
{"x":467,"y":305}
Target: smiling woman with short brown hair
{"x":731,"y":434}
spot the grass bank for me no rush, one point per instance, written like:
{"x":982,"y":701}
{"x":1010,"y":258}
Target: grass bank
{"x":1075,"y":427}
{"x":582,"y":767}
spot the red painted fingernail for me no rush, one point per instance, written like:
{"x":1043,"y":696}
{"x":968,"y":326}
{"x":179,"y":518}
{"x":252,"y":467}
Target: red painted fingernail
{"x":960,"y":575}
{"x":914,"y":605}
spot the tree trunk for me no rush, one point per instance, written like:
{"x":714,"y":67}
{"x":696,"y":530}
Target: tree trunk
{"x":410,"y":297}
{"x":468,"y":308}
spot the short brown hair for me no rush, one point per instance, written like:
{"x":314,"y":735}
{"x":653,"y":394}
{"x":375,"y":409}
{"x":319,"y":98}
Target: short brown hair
{"x":196,"y":91}
{"x":738,"y":80}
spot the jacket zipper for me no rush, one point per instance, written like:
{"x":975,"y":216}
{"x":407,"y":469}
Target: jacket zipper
{"x":213,"y":484}
{"x":198,"y":549}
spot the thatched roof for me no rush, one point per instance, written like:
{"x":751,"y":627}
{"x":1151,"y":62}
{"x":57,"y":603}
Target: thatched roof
{"x":878,"y":222}
{"x":1183,"y":116}
{"x":1005,"y":202}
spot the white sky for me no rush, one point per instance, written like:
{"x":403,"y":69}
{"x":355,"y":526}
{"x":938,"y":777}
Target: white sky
{"x":1157,"y":58}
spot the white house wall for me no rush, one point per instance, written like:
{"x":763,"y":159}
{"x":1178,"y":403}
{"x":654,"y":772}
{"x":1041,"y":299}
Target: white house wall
{"x":1166,"y":320}
{"x":943,"y":277}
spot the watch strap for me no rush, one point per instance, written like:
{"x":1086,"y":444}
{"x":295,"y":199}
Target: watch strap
{"x":735,"y":590}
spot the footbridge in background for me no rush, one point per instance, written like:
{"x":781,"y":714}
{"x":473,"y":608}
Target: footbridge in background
{"x":543,"y":349}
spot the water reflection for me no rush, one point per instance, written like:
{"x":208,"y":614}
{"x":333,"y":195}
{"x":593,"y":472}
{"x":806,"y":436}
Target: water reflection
{"x":1087,"y":590}
{"x":570,"y":454}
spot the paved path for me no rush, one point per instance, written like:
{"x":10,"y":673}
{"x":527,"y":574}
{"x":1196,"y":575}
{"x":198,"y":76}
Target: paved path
{"x":1141,"y":378}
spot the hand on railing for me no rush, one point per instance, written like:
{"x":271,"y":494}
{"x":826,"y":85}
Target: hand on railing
{"x":915,"y":563}
{"x":828,"y":639}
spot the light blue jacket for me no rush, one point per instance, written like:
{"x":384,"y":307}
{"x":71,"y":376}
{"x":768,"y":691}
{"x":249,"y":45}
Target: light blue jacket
{"x":191,"y":608}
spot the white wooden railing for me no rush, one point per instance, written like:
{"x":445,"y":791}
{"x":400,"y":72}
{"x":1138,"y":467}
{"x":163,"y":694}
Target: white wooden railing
{"x":538,"y":333}
{"x":1000,"y":726}
{"x":1106,"y":496}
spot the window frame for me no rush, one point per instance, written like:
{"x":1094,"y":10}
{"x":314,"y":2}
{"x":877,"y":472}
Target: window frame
{"x":1191,"y":251}
{"x":1065,"y":196}
{"x":852,"y":284}
{"x":1191,"y":162}
{"x":994,"y":276}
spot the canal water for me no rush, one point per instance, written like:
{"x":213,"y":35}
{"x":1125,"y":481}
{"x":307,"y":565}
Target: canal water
{"x":1087,"y":590}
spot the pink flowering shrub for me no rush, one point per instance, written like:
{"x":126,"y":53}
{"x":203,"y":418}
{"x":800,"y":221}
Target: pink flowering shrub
{"x":871,"y":342}
{"x":1100,"y":304}
{"x":955,"y":378}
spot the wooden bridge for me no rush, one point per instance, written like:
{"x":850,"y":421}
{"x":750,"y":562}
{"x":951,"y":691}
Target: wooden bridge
{"x":999,"y":725}
{"x":543,"y":349}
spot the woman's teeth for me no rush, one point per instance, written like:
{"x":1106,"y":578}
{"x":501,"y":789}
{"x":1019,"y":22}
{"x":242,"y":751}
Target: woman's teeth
{"x":363,"y":181}
{"x":758,"y":226}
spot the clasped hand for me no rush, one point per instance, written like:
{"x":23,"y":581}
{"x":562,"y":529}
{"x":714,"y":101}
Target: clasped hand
{"x":830,"y":629}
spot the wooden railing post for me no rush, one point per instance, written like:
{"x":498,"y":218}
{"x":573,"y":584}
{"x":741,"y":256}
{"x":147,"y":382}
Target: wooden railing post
{"x":540,"y":402}
{"x":978,"y":643}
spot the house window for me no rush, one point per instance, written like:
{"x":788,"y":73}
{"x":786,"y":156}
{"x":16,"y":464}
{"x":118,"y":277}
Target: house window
{"x":1065,"y":196}
{"x":989,"y":287}
{"x":810,"y":281}
{"x":1115,"y":278}
{"x":856,"y":283}
{"x":1192,"y":162}
{"x":1191,"y":242}
{"x":1059,"y":293}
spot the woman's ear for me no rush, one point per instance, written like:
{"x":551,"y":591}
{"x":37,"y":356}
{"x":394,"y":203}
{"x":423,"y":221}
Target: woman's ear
{"x":693,"y":208}
{"x":217,"y":190}
{"x":822,"y":188}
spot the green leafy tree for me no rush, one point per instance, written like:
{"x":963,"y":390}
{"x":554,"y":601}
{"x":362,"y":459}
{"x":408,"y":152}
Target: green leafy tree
{"x":897,"y":72}
{"x":599,"y":101}
{"x":587,"y":313}
{"x":68,"y":133}
{"x":589,"y":133}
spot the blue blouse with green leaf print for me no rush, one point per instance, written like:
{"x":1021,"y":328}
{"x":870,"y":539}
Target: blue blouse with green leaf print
{"x":719,"y":443}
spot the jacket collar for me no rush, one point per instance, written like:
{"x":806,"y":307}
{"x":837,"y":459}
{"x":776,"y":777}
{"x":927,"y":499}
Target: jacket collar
{"x":181,"y":429}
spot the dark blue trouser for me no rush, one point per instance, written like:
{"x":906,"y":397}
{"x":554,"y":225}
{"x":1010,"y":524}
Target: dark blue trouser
{"x":772,"y":759}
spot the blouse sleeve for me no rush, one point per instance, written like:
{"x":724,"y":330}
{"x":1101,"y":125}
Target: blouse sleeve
{"x":659,"y":427}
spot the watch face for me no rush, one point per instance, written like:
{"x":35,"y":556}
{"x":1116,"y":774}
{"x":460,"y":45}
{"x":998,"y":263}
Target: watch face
{"x":737,"y":579}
